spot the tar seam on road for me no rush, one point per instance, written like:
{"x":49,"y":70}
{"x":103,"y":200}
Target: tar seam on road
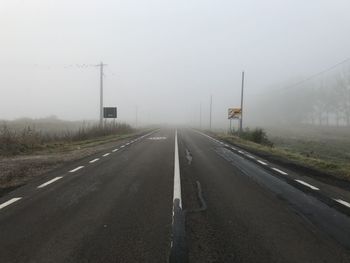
{"x":11,"y":201}
{"x":50,"y":182}
{"x":178,"y":251}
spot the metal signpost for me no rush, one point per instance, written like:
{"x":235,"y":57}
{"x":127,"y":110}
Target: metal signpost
{"x":234,"y":113}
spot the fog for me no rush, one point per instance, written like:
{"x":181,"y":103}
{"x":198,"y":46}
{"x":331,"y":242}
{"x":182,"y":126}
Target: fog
{"x":165,"y":58}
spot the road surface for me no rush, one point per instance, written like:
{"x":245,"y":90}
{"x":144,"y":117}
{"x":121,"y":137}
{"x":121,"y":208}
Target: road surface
{"x":178,"y":196}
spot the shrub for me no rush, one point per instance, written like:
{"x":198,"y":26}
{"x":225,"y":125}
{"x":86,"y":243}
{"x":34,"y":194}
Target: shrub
{"x":258,"y":135}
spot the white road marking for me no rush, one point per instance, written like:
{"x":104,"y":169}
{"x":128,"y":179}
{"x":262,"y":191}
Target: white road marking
{"x":127,"y":143}
{"x":177,"y":181}
{"x":122,"y":146}
{"x":11,"y":201}
{"x":263,"y":163}
{"x":227,"y":145}
{"x":343,"y":202}
{"x":308,"y":185}
{"x":94,"y":160}
{"x":106,"y":154}
{"x":50,"y":182}
{"x":241,"y":152}
{"x":233,"y":148}
{"x":115,"y":150}
{"x":279,"y":171}
{"x":250,"y":156}
{"x":76,"y":169}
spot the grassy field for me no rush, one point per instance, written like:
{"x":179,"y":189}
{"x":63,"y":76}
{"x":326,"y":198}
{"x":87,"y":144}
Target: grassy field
{"x":25,"y":136}
{"x":325,"y":149}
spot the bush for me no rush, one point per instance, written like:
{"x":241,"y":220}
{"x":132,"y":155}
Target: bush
{"x":258,"y":135}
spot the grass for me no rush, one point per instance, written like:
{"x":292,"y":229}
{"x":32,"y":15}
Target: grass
{"x":18,"y":140}
{"x":318,"y":151}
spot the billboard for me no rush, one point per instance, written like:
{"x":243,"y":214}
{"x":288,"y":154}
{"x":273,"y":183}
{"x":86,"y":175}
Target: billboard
{"x":234,"y":113}
{"x":110,"y":112}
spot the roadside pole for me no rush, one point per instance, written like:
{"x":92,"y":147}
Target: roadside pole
{"x":101,"y":92}
{"x":241,"y":120}
{"x":211,"y":105}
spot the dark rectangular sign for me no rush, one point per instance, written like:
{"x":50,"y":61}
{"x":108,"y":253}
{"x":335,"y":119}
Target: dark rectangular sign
{"x":110,"y":112}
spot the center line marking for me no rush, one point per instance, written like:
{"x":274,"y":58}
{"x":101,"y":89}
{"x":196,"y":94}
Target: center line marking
{"x":94,"y":160}
{"x":106,"y":154}
{"x":177,"y":181}
{"x":50,"y":182}
{"x":76,"y":169}
{"x":250,"y":156}
{"x":122,"y":146}
{"x":308,"y":185}
{"x":10,"y":202}
{"x":342,"y":202}
{"x":115,"y":150}
{"x":279,"y":171}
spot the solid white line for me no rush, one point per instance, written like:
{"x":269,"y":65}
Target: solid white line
{"x":106,"y":154}
{"x":308,"y":185}
{"x":343,"y":202}
{"x":115,"y":150}
{"x":280,"y":171}
{"x":177,"y":181}
{"x":94,"y":160}
{"x":76,"y":169}
{"x":263,"y":163}
{"x":9,"y":202}
{"x":50,"y":182}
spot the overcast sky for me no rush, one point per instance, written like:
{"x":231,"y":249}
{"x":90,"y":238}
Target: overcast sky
{"x":166,"y":57}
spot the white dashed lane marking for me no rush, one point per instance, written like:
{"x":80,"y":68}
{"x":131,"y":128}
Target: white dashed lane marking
{"x":342,"y":202}
{"x":115,"y":150}
{"x":76,"y":169}
{"x":263,"y":163}
{"x":50,"y":182}
{"x":11,"y":201}
{"x":279,"y":171}
{"x":94,"y":160}
{"x":308,"y":185}
{"x":106,"y":154}
{"x":250,"y":156}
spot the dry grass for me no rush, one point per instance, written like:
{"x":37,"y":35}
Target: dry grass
{"x":319,"y":157}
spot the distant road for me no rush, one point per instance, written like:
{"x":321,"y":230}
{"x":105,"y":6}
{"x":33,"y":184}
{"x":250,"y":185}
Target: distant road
{"x":180,"y":196}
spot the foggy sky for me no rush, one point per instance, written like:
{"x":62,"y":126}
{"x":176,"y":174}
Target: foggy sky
{"x":165,"y":57}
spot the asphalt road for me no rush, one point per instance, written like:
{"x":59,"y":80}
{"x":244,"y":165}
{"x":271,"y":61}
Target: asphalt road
{"x":179,"y":197}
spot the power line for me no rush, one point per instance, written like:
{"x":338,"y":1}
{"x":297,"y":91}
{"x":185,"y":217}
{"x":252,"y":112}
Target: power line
{"x":306,"y":79}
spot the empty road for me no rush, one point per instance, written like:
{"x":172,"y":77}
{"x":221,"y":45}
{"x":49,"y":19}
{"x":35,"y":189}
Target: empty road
{"x":179,"y":196}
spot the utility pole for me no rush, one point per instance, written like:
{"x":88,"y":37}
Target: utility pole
{"x":101,"y":92}
{"x":241,"y":120}
{"x":200,"y":115}
{"x":211,"y":106}
{"x":136,"y":116}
